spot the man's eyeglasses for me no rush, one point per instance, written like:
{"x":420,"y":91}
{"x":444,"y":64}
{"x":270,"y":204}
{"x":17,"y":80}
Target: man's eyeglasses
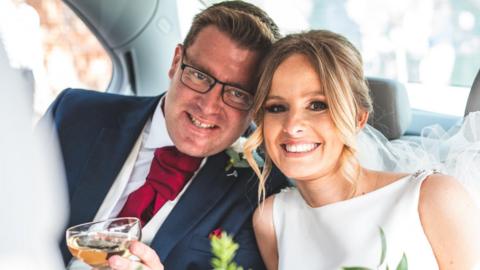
{"x":201,"y":82}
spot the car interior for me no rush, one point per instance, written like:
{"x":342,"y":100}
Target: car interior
{"x":139,"y":38}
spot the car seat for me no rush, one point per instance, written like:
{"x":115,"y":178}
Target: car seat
{"x":391,"y":107}
{"x":473,"y":101}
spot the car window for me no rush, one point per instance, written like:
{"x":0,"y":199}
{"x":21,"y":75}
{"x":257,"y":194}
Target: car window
{"x":47,"y":38}
{"x":432,"y":46}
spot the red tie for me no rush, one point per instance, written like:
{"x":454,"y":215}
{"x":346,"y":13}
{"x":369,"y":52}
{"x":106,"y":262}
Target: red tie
{"x":169,"y":171}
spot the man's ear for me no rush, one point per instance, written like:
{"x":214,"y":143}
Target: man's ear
{"x":177,"y":59}
{"x":362,"y":119}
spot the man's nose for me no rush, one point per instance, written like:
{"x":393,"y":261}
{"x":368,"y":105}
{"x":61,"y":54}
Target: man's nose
{"x":211,"y":101}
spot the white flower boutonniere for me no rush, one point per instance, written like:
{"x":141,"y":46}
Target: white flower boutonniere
{"x":237,"y":159}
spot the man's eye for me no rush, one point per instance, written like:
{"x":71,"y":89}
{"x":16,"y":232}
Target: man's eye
{"x":238,"y":93}
{"x":275,"y":108}
{"x":199,"y":76}
{"x":318,"y":106}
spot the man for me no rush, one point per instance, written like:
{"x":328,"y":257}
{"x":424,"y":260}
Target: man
{"x":111,"y":145}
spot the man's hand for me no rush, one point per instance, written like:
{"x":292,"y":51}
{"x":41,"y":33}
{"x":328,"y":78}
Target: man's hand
{"x":149,"y":259}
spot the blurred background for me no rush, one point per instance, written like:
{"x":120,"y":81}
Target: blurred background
{"x":433,"y":46}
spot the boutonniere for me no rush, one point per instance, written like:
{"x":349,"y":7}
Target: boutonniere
{"x":237,"y":158}
{"x":224,"y":249}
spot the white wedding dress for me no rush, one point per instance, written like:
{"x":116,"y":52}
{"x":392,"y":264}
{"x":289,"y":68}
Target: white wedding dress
{"x":347,"y":234}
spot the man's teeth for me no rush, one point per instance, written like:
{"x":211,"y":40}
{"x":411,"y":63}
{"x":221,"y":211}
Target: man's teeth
{"x":199,"y":124}
{"x":300,"y":148}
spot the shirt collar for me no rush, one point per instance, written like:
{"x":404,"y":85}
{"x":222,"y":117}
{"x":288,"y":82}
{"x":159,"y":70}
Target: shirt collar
{"x":157,"y":134}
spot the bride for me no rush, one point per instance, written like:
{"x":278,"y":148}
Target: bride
{"x":311,"y":103}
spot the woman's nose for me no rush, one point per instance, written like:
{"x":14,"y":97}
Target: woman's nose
{"x":294,"y":124}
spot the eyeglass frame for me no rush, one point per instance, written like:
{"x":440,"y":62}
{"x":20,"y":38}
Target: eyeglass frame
{"x":215,"y":81}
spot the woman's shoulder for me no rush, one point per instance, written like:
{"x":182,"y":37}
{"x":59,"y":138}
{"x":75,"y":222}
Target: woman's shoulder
{"x":449,"y":215}
{"x":263,"y":213}
{"x":442,"y":191}
{"x":434,"y":185}
{"x":443,"y":199}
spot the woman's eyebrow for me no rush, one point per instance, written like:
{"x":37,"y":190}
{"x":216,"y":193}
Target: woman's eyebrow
{"x":273,"y":97}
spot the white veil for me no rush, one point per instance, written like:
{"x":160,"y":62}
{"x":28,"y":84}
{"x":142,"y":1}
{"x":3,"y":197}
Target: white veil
{"x":454,"y":152}
{"x":33,"y":197}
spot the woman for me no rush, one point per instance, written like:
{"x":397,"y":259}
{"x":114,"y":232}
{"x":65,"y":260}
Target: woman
{"x":311,"y":102}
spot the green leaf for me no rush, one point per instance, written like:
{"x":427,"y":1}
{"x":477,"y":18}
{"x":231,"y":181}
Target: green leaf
{"x":403,"y":264}
{"x":216,"y":263}
{"x":241,"y":164}
{"x":229,"y":166}
{"x":384,"y":246}
{"x":224,"y":250}
{"x":356,"y":268}
{"x":232,"y":154}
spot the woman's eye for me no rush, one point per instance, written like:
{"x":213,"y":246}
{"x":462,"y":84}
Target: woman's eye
{"x":318,"y":106}
{"x":275,"y":108}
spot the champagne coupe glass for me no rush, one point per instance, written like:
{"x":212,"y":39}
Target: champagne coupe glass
{"x":95,"y":242}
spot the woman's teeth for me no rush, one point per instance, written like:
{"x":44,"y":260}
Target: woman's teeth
{"x":300,"y":148}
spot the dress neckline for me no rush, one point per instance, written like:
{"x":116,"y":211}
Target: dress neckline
{"x":367,"y":195}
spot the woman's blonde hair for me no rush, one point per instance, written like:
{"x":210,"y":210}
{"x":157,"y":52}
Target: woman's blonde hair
{"x":339,"y":68}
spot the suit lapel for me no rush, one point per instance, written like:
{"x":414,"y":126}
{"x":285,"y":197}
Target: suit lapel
{"x":108,"y":155}
{"x":206,"y":190}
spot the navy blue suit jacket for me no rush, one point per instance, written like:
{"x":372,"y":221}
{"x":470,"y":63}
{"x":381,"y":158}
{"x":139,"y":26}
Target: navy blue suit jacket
{"x":97,"y":131}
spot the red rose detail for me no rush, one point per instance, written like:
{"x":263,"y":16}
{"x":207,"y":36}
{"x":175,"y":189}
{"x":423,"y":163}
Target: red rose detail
{"x":217,"y":232}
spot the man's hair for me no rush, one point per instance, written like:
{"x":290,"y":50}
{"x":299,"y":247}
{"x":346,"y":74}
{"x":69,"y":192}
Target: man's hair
{"x":244,"y":23}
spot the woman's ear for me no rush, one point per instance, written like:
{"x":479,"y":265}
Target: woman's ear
{"x":362,"y":119}
{"x":177,"y":58}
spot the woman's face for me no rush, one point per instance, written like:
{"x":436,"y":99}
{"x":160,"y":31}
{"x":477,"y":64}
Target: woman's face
{"x":300,"y":137}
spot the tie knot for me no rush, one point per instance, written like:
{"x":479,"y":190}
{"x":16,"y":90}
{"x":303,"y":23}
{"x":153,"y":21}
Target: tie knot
{"x":170,"y":156}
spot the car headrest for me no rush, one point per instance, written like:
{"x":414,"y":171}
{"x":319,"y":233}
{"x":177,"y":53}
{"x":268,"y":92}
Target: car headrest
{"x":473,"y":101}
{"x":391,"y":107}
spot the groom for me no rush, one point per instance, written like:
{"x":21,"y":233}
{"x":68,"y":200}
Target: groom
{"x":115,"y":147}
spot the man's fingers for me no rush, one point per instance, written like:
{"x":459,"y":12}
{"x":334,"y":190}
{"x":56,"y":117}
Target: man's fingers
{"x":120,"y":263}
{"x":146,"y":255}
{"x":149,"y":259}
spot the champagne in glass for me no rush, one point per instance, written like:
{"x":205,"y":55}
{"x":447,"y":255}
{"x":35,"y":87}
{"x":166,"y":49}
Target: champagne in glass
{"x":95,"y":242}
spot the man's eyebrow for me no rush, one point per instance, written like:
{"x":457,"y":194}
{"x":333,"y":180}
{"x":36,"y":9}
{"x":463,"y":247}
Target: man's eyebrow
{"x":208,"y":72}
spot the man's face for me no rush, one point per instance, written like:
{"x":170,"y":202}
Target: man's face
{"x":201,"y":124}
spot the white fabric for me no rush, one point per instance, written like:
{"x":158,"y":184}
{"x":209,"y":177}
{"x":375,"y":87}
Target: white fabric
{"x":114,"y":198}
{"x":33,"y":195}
{"x":454,"y":152}
{"x":346,"y":233}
